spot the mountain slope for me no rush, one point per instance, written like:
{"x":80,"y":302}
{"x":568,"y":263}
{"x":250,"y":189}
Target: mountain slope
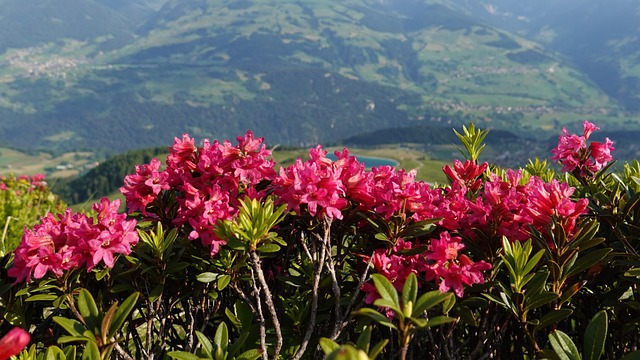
{"x":296,"y":72}
{"x":601,"y":37}
{"x":29,"y":23}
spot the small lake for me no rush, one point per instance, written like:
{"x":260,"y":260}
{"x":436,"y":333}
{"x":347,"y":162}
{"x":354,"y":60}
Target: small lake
{"x":368,"y":161}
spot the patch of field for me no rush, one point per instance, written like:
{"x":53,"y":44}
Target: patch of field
{"x":65,"y":165}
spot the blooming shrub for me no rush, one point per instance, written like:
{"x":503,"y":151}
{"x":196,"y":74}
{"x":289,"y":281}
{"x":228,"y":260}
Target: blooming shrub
{"x":222,"y":256}
{"x":23,"y":201}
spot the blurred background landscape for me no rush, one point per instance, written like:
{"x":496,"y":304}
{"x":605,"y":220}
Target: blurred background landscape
{"x":89,"y":88}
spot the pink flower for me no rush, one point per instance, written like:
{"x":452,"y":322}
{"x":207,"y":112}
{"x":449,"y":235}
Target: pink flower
{"x":468,"y":173}
{"x":552,"y":200}
{"x":578,"y":158}
{"x":183,"y":153}
{"x":13,"y":342}
{"x":71,"y":240}
{"x":316,"y":184}
{"x":203,"y":185}
{"x":450,"y":269}
{"x":143,"y":187}
{"x":464,"y":272}
{"x":445,"y":248}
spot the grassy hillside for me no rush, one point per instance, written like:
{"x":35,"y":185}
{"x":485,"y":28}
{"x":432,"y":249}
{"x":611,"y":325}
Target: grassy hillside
{"x":65,"y":165}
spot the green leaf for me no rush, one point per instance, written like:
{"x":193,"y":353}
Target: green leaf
{"x":536,"y":301}
{"x":207,"y":347}
{"x":236,"y":244}
{"x":553,"y":317}
{"x":328,"y":346}
{"x":383,"y":303}
{"x":429,"y":300}
{"x":595,"y":336}
{"x":183,"y":355}
{"x":72,"y":326}
{"x":252,"y":354}
{"x":439,"y":320}
{"x":376,"y":316}
{"x":588,"y":261}
{"x":54,"y":353}
{"x":347,"y":352}
{"x":67,"y":339}
{"x":377,"y":349}
{"x":89,"y":310}
{"x":156,"y":292}
{"x":269,"y":248}
{"x":223,"y":281}
{"x":70,"y":352}
{"x":364,"y":340}
{"x":123,"y":313}
{"x":448,"y":303}
{"x":221,"y":338}
{"x":87,"y":305}
{"x":386,"y":291}
{"x":633,"y":272}
{"x":42,"y":297}
{"x":563,"y":346}
{"x":634,"y":355}
{"x":91,"y":351}
{"x":206,"y":277}
{"x":531,"y":264}
{"x":537,"y":283}
{"x":410,"y":289}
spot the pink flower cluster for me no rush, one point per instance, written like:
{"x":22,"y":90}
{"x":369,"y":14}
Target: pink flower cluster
{"x":442,"y":263}
{"x":578,"y":158}
{"x":73,"y":240}
{"x":326,"y":188}
{"x":316,"y":184}
{"x":206,"y":182}
{"x":27,"y":183}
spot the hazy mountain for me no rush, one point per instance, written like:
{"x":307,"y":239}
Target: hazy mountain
{"x":297,"y":72}
{"x":601,"y":37}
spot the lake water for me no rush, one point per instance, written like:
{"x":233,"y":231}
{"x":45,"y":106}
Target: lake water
{"x":368,"y":161}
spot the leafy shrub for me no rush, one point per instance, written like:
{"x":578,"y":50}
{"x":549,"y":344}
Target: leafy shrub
{"x":23,"y":201}
{"x":221,"y":257}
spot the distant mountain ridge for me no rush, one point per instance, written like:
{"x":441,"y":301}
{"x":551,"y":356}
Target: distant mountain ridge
{"x":297,"y":72}
{"x":600,"y":37}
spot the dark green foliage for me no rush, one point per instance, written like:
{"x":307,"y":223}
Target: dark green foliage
{"x":528,"y":57}
{"x":504,"y":42}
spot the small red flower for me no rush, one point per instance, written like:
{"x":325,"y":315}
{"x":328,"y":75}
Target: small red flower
{"x":13,"y":342}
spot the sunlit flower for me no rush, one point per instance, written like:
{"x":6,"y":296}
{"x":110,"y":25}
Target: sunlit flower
{"x":578,"y":158}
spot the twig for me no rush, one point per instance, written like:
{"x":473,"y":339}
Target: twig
{"x":122,"y":353}
{"x":268,"y":298}
{"x":261,"y":321}
{"x":326,"y":242}
{"x":347,"y":313}
{"x":318,"y":265}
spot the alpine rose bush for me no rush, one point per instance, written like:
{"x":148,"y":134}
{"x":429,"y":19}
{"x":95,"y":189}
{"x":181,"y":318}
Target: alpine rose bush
{"x":74,"y":240}
{"x":576,"y":156}
{"x":221,"y":256}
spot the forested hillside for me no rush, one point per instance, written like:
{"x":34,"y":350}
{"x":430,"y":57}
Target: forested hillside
{"x":105,"y":178}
